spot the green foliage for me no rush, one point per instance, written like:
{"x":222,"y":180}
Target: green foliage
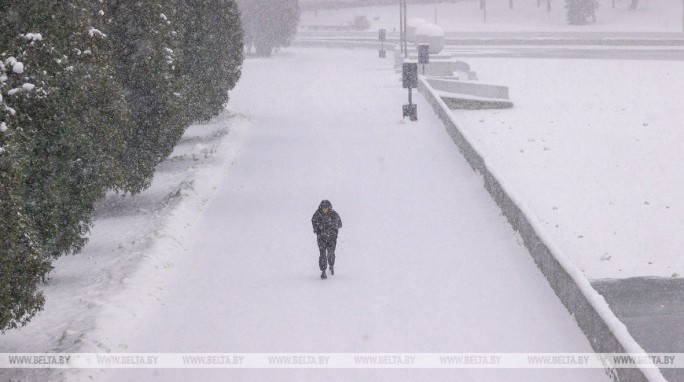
{"x":70,"y":149}
{"x":212,"y":54}
{"x":22,"y":265}
{"x":93,"y":95}
{"x":145,"y":43}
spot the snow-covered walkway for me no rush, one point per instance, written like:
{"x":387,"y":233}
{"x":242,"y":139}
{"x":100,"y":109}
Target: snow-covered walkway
{"x":425,"y":262}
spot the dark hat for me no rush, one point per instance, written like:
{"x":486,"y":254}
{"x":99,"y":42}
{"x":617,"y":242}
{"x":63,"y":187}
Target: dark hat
{"x":325,"y":204}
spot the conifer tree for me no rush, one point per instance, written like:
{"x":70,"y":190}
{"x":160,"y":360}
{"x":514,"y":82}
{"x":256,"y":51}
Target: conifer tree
{"x":58,"y":148}
{"x":69,"y":110}
{"x":579,"y":10}
{"x":212,"y":54}
{"x":93,"y":95}
{"x":146,"y":43}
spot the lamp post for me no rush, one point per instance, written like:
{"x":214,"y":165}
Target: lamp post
{"x":405,"y":32}
{"x":402,"y":26}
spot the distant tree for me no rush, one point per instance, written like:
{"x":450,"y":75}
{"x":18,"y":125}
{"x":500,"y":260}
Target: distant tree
{"x":579,"y":10}
{"x":633,"y":4}
{"x":361,"y":23}
{"x":269,"y":24}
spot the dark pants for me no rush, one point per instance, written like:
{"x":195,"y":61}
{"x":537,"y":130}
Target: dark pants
{"x":326,"y":246}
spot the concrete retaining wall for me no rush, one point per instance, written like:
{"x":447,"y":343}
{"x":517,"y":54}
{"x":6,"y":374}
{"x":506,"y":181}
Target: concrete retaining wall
{"x":442,"y":68}
{"x":603,"y":329}
{"x":470,"y":88}
{"x":462,"y":102}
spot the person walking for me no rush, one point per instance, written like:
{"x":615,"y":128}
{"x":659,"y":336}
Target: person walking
{"x":326,"y":223}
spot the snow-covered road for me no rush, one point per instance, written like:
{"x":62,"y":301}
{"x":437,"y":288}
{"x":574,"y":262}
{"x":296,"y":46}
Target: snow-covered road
{"x":425,"y":261}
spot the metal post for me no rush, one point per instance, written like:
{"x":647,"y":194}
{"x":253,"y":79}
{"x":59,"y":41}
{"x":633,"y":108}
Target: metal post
{"x":409,"y":79}
{"x":405,"y":31}
{"x":401,"y":28}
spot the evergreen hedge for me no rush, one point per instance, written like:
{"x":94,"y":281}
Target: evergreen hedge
{"x":93,"y":96}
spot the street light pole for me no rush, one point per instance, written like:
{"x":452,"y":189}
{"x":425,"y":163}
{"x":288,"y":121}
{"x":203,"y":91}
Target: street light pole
{"x":405,"y":32}
{"x":401,"y":27}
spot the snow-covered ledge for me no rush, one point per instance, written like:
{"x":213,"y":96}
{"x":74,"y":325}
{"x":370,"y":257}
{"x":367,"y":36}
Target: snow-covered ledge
{"x":470,"y":88}
{"x":606,"y":333}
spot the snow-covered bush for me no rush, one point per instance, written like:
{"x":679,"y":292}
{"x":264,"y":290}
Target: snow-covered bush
{"x":59,"y":152}
{"x":93,"y":95}
{"x":22,"y":264}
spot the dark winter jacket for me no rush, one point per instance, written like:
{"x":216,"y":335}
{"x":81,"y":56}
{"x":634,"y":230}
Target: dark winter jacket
{"x":326,"y":224}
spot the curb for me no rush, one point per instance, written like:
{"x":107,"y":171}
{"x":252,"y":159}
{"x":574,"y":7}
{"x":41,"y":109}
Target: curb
{"x":514,"y":41}
{"x":605,"y":42}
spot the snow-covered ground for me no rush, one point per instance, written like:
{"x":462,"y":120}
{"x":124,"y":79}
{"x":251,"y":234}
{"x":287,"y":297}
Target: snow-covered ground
{"x":426,"y":263}
{"x":594,"y":148}
{"x":466,"y":16}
